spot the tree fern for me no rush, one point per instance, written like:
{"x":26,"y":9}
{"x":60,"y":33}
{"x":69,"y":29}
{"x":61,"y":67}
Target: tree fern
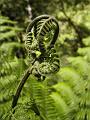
{"x":42,"y":61}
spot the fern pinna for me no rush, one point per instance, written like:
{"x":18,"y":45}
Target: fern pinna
{"x":40,"y":46}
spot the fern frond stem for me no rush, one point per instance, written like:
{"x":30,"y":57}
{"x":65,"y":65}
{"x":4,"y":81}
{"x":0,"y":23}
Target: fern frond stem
{"x":22,"y":82}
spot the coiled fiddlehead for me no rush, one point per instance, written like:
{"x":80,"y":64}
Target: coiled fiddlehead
{"x":37,"y":33}
{"x":50,"y":64}
{"x":41,"y":26}
{"x":42,"y":34}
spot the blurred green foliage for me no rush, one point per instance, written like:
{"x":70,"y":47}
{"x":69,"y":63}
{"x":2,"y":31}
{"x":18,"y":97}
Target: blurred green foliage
{"x":62,"y":96}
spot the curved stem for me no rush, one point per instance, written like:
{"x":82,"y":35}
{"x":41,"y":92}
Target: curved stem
{"x":21,"y":84}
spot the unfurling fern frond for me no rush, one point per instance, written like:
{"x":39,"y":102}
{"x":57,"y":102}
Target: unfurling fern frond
{"x":39,"y":40}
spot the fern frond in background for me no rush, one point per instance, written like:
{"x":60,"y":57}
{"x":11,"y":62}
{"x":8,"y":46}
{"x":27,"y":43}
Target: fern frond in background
{"x":77,"y":78}
{"x":12,"y":63}
{"x":8,"y":29}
